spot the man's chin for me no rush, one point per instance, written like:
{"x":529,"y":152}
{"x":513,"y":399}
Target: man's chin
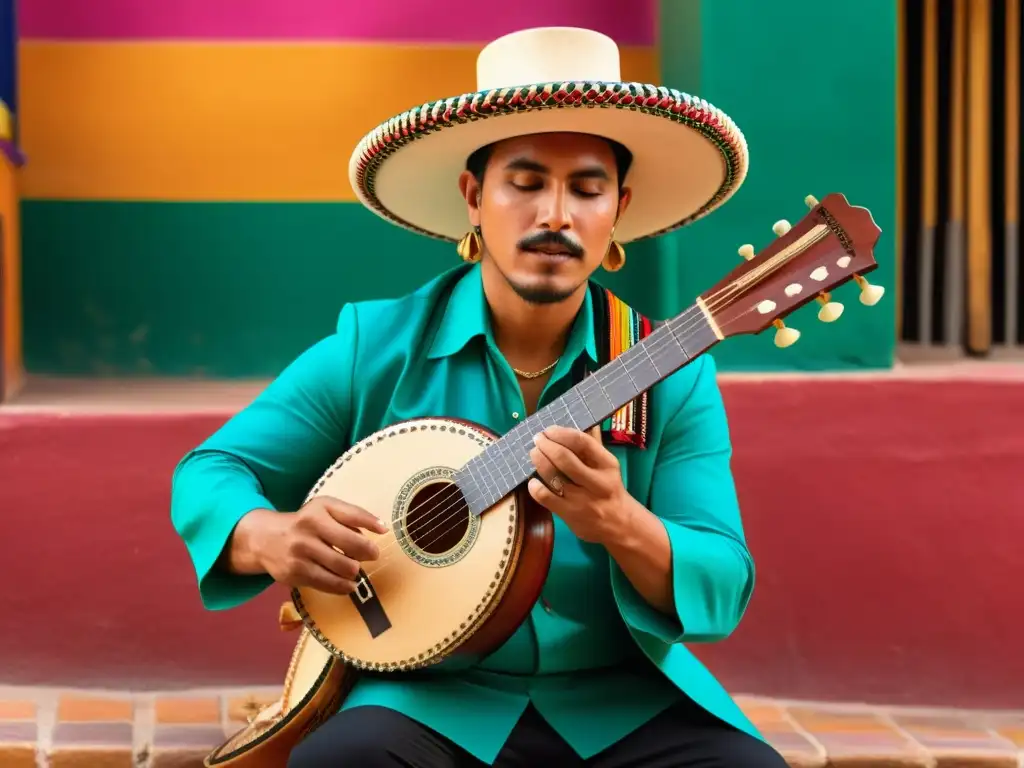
{"x":541,"y":291}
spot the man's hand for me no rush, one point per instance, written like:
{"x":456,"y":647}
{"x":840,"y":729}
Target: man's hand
{"x":320,"y":546}
{"x":582,"y":483}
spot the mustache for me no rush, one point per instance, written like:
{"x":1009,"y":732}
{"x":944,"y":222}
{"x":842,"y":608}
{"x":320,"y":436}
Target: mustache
{"x":559,"y":239}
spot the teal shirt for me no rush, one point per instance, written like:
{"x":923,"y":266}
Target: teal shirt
{"x":594,"y":658}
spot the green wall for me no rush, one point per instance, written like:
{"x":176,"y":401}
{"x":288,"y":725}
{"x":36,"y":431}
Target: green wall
{"x":227,"y":290}
{"x":238,"y":289}
{"x":812,"y":85}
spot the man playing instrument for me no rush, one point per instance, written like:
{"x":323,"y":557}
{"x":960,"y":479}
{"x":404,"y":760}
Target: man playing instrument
{"x":649,"y":547}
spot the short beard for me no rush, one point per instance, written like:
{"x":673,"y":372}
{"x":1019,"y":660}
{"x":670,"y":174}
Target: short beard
{"x":531,"y":295}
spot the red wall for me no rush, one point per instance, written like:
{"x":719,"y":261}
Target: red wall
{"x":886,"y":517}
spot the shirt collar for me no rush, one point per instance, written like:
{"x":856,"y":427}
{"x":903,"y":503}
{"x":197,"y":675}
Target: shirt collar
{"x":466,"y":317}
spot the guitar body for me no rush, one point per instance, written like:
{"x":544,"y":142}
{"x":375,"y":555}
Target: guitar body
{"x":448,"y":583}
{"x":314,"y":687}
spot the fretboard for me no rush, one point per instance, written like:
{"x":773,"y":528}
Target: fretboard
{"x":505,"y":465}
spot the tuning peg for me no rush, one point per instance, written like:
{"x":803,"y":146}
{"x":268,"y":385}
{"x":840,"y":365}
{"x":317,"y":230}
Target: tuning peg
{"x":810,"y":201}
{"x":830,"y":310}
{"x":747,"y":251}
{"x":869,"y":294}
{"x":785,"y":336}
{"x":781,"y":227}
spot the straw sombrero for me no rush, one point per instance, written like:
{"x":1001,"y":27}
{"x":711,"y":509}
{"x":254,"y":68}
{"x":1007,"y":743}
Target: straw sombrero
{"x":688,"y":156}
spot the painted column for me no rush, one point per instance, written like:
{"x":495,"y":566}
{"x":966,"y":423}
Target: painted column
{"x":813,"y":88}
{"x":11,"y":160}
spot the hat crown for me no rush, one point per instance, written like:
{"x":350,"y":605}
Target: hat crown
{"x":548,"y":55}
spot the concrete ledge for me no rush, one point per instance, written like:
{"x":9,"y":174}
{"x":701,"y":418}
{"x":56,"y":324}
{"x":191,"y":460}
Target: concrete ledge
{"x":41,"y":394}
{"x":884,"y":515}
{"x":86,"y":729}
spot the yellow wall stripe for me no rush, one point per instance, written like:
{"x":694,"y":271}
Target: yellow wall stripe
{"x":1012,"y":95}
{"x":211,"y":122}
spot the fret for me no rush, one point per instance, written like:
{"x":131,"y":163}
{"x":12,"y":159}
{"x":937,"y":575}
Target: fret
{"x":544,"y":419}
{"x":693,"y":332}
{"x":647,"y":353}
{"x":642,"y":370}
{"x":520,"y":443}
{"x":472,"y":469}
{"x":470,"y":488}
{"x":509,"y":450}
{"x":615,"y":384}
{"x":578,"y":411}
{"x":668,"y":352}
{"x":494,"y":484}
{"x":621,"y":360}
{"x":506,"y":464}
{"x":595,"y":398}
{"x":563,"y":416}
{"x":511,"y":466}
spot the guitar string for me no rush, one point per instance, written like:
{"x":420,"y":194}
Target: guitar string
{"x":716,"y":300}
{"x":453,"y":495}
{"x":452,"y":511}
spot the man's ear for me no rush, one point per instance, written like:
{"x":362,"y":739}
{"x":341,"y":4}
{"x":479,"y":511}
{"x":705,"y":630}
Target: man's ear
{"x":471,"y":190}
{"x":625,"y":197}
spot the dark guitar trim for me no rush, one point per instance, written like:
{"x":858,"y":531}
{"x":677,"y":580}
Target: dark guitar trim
{"x":536,"y":540}
{"x":339,"y":678}
{"x":537,"y":533}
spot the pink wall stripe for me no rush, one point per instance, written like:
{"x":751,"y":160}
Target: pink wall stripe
{"x":629,"y":22}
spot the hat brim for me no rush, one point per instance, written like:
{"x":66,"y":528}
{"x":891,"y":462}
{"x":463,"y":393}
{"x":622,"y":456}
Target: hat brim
{"x":688,"y":156}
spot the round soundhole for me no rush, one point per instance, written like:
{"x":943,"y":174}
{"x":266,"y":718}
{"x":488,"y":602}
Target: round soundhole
{"x":438,"y":518}
{"x":433,"y":523}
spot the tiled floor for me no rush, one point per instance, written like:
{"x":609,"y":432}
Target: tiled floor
{"x":63,"y":729}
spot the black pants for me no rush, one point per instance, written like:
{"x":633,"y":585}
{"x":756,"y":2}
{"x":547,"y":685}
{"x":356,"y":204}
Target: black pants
{"x":684,"y":736}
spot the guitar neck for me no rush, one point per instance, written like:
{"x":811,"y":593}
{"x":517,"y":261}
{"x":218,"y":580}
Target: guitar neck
{"x":505,"y":465}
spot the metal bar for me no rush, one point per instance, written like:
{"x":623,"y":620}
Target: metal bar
{"x":901,"y":90}
{"x":979,"y":203}
{"x":1011,"y":252}
{"x":956,"y":245}
{"x":929,"y":166}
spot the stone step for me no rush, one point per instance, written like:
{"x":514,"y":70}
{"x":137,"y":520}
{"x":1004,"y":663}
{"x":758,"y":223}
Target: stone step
{"x":50,"y":728}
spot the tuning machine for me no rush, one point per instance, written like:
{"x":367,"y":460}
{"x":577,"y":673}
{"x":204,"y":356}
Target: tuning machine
{"x":782,"y":226}
{"x":869,"y":294}
{"x":830,"y":310}
{"x":785,"y":336}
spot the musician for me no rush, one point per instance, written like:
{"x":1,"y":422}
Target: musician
{"x":649,"y":545}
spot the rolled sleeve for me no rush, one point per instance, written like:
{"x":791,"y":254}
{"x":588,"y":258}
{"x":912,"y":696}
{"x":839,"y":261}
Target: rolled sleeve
{"x":693,"y":493}
{"x":267,"y":456}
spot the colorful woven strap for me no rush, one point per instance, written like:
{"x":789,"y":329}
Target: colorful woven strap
{"x":617,"y":327}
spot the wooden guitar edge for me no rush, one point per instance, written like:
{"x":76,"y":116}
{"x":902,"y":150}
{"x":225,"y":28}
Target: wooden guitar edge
{"x":537,"y":532}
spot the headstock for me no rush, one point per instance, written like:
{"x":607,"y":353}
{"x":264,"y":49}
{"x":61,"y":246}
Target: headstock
{"x":833,"y":244}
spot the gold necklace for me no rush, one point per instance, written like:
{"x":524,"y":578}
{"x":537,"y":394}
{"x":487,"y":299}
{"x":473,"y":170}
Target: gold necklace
{"x":535,"y":374}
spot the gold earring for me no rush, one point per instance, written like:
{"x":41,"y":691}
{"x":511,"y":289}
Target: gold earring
{"x":615,"y":258}
{"x":470,"y":247}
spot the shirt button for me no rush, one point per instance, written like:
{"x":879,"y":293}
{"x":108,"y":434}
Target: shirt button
{"x":515,"y":414}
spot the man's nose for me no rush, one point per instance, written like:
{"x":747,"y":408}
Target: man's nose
{"x":554,"y":211}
